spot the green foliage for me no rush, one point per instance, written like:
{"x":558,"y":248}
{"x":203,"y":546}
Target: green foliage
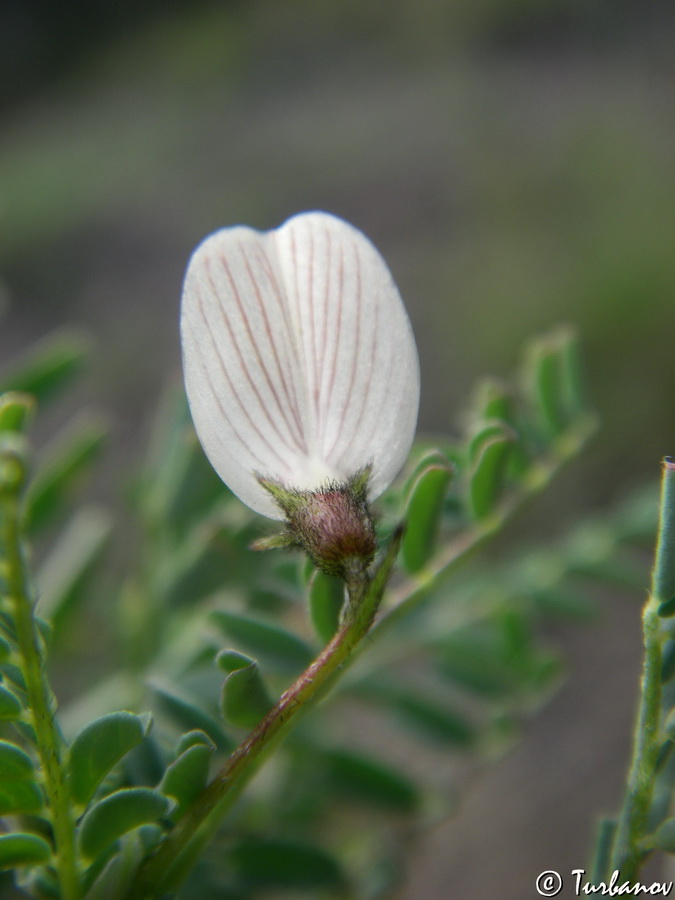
{"x":216,"y":638}
{"x":99,"y":746}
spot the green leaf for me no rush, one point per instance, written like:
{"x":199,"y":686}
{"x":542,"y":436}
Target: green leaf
{"x":21,"y":849}
{"x":553,"y":379}
{"x":117,"y":814}
{"x":188,"y":774}
{"x":664,"y":838}
{"x":424,"y":507}
{"x":10,"y":705}
{"x":489,"y":454}
{"x":49,"y":367}
{"x":370,"y":781}
{"x":434,"y":721}
{"x":65,"y":466}
{"x":326,"y":597}
{"x":65,"y":573}
{"x":15,"y":763}
{"x":245,"y":699}
{"x":282,"y":864}
{"x":260,"y":638}
{"x":16,"y":411}
{"x":20,"y":797}
{"x":99,"y":746}
{"x":187,"y":714}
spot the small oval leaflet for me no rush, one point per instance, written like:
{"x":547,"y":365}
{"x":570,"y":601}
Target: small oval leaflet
{"x":23,"y":849}
{"x":117,"y":814}
{"x":15,"y":763}
{"x":10,"y":705}
{"x":99,"y":746}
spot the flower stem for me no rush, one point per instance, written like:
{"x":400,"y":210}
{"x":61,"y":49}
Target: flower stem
{"x":39,"y":695}
{"x":633,"y":825}
{"x":171,"y":863}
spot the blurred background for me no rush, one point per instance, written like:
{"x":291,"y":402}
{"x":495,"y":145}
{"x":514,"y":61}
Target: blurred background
{"x":514,"y":161}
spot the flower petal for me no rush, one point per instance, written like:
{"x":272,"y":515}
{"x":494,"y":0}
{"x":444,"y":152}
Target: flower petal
{"x":299,"y":359}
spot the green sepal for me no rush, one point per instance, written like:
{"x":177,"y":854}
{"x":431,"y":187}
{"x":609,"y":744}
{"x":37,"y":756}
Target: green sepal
{"x":66,"y":464}
{"x":326,"y":598}
{"x":20,"y":797}
{"x":15,"y":763}
{"x":273,"y":542}
{"x":272,"y":863}
{"x":99,"y":746}
{"x":245,"y":699}
{"x":489,"y":453}
{"x":188,"y":774}
{"x":21,"y":849}
{"x":117,"y":814}
{"x":10,"y":705}
{"x":424,"y":503}
{"x":279,"y":646}
{"x":16,"y":411}
{"x":50,"y":365}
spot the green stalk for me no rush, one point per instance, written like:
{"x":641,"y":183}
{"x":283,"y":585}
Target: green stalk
{"x":49,"y":744}
{"x":629,"y":851}
{"x":172,"y":862}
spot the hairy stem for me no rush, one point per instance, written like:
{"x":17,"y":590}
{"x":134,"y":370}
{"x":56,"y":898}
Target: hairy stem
{"x":176,"y":856}
{"x":633,"y":826}
{"x":39,"y":694}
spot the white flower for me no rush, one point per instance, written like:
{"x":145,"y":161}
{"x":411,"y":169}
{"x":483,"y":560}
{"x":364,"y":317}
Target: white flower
{"x":300,"y":362}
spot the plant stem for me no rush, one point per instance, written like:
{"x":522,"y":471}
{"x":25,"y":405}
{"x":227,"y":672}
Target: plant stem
{"x":633,"y":826}
{"x":176,"y":856}
{"x":39,"y":694}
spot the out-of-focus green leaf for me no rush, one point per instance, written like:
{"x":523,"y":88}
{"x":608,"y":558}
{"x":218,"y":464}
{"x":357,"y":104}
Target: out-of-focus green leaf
{"x":187,"y":714}
{"x":65,"y":573}
{"x":553,"y":379}
{"x":489,"y":454}
{"x":179,"y":484}
{"x":49,"y":367}
{"x":188,"y":774}
{"x":427,"y":718}
{"x":117,"y":814}
{"x":65,"y":466}
{"x":474,"y":659}
{"x":245,"y":699}
{"x":424,"y":507}
{"x":21,"y":849}
{"x":282,"y":864}
{"x":16,"y":411}
{"x":15,"y":763}
{"x":118,"y":872}
{"x":434,"y":721}
{"x":5,"y":648}
{"x":326,"y":597}
{"x":20,"y":797}
{"x":664,"y":838}
{"x":370,"y":781}
{"x":10,"y":705}
{"x":99,"y":746}
{"x":263,"y":639}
